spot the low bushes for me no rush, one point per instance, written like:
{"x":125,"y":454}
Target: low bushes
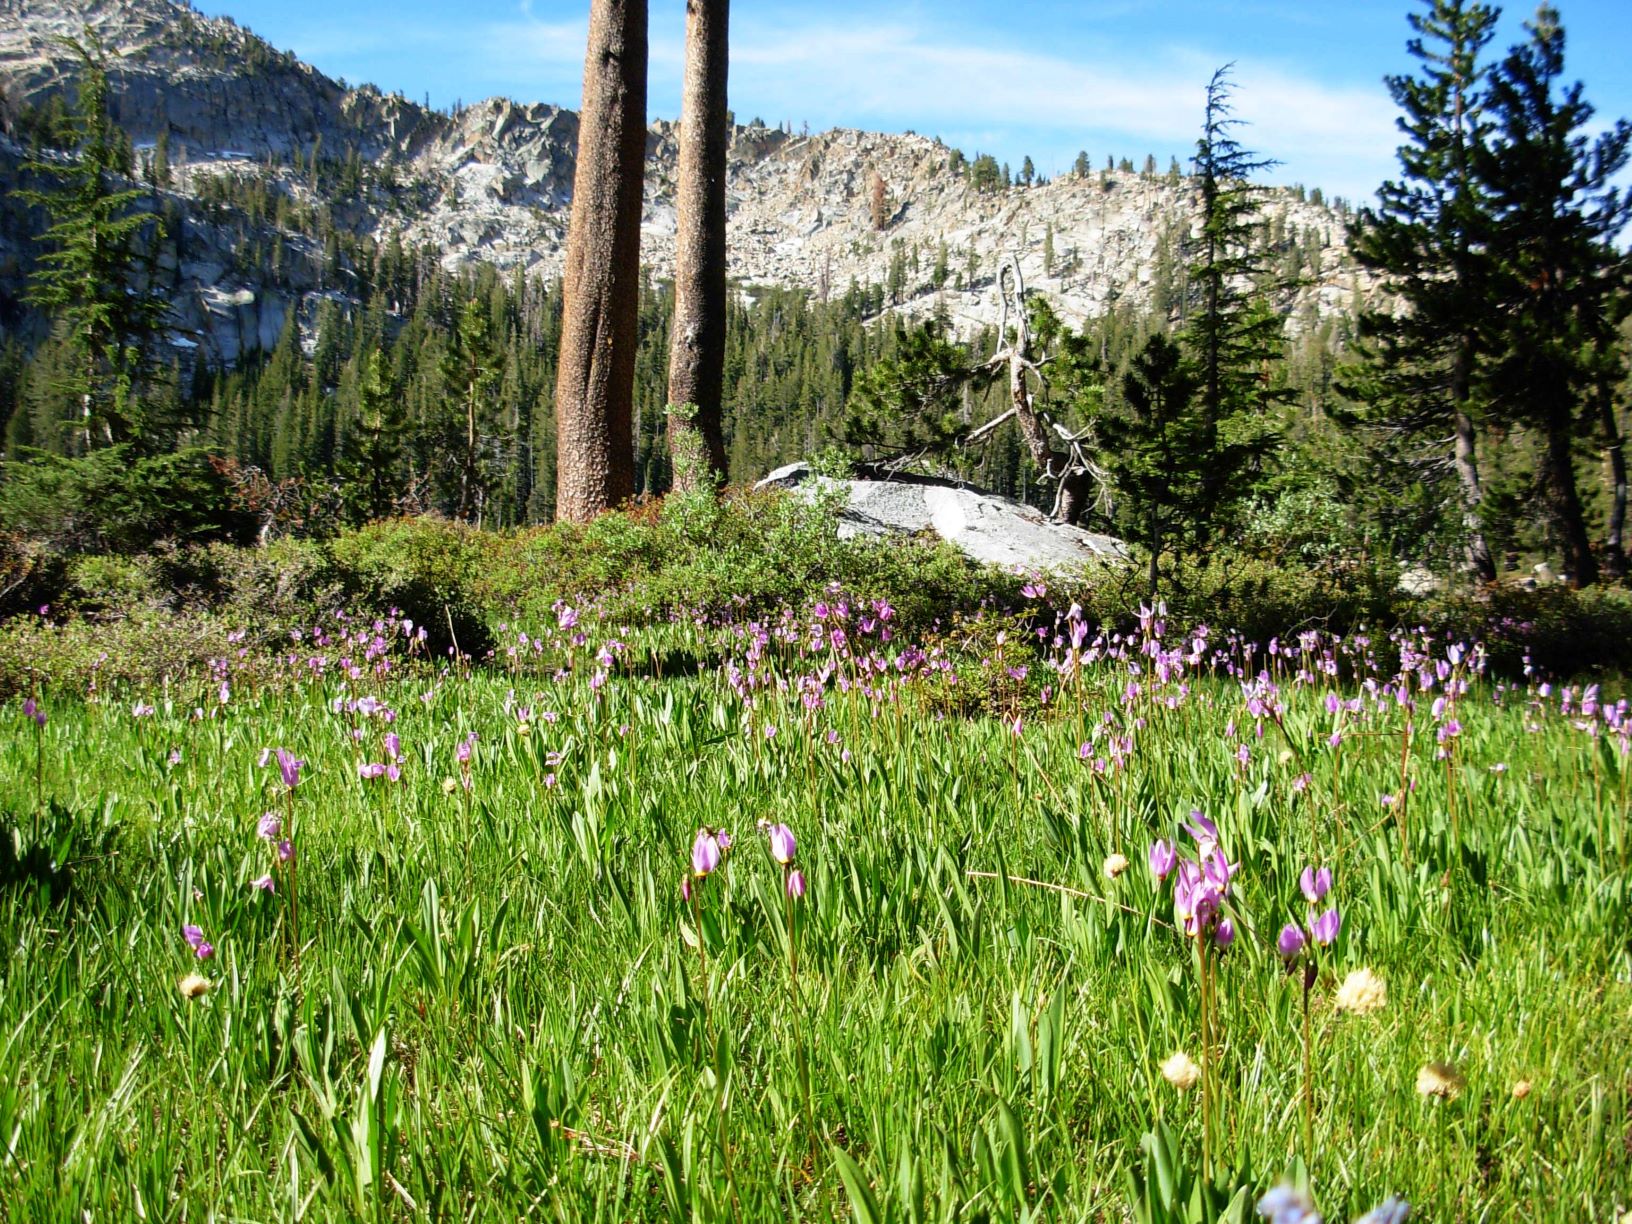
{"x":738,"y":556}
{"x":120,"y":501}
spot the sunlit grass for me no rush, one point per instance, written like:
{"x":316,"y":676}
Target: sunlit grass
{"x":501,"y":1008}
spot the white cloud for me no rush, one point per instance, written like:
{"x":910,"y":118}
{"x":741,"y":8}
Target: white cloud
{"x":892,"y":75}
{"x":518,"y":49}
{"x":908,"y":73}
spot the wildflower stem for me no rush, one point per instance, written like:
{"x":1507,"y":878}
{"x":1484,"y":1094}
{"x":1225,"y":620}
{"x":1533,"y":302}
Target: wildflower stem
{"x":802,"y":1057}
{"x":702,"y":951}
{"x":1598,"y":801}
{"x":1405,"y":793}
{"x":39,"y":766}
{"x":1206,"y":1065}
{"x":1308,"y":1075}
{"x":294,"y":881}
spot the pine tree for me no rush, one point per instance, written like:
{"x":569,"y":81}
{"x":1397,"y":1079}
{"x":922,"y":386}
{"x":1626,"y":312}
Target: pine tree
{"x":470,"y":374}
{"x":1230,"y":334}
{"x":88,"y":281}
{"x":373,"y":457}
{"x":1558,"y":287}
{"x":158,"y":167}
{"x":1416,"y":369}
{"x":1156,"y":445}
{"x":878,"y":201}
{"x":697,"y":339}
{"x":595,"y":371}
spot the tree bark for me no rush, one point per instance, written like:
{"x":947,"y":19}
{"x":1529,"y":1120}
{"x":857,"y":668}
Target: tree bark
{"x":1076,"y":490}
{"x":1615,"y":537}
{"x":1479,"y":559}
{"x":697,"y":341}
{"x":594,"y":383}
{"x":1564,"y":501}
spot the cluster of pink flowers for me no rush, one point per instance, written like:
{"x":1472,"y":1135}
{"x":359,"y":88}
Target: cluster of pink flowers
{"x":708,"y":853}
{"x":390,"y":768}
{"x":1294,"y":940}
{"x":202,"y":948}
{"x":1202,"y":886}
{"x":783,"y":848}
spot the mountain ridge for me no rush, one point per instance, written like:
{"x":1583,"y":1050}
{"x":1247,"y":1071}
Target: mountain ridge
{"x":492,"y":183}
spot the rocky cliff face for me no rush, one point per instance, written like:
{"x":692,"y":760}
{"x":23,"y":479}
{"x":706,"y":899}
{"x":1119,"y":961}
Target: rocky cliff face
{"x":493,"y":184}
{"x":216,"y":89}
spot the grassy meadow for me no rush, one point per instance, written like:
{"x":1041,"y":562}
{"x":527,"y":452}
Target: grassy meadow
{"x":460,"y":962}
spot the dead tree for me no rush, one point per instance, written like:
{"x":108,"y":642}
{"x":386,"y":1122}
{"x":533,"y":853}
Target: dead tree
{"x":595,"y":379}
{"x":1057,"y":452}
{"x":697,"y":338}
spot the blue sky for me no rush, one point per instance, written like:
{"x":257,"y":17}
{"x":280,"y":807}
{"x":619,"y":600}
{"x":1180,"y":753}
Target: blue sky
{"x":1042,"y":78}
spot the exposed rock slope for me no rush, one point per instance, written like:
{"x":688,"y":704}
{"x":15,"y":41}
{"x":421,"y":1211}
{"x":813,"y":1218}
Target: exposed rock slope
{"x":493,"y":182}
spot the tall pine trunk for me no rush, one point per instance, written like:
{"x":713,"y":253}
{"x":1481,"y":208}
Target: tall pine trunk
{"x":1463,"y":447}
{"x":1479,"y":559}
{"x":1564,"y":500}
{"x":697,"y":341}
{"x":594,"y":384}
{"x":1615,"y":537}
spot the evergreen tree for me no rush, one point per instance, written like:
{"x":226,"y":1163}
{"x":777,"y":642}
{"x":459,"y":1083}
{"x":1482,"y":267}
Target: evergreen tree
{"x":1558,"y":287}
{"x":904,"y":408}
{"x":88,"y":281}
{"x":372,"y":467}
{"x":1156,"y":445}
{"x":158,"y":166}
{"x":470,"y":374}
{"x":1231,"y":335}
{"x":1416,"y":369}
{"x":595,"y":369}
{"x":697,"y":339}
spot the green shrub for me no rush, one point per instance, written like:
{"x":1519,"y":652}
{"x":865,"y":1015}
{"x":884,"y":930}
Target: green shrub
{"x":1254,"y":596}
{"x":118,"y":501}
{"x":101,"y":583}
{"x":740,"y":553}
{"x":285,"y":582}
{"x":1561,"y":632}
{"x":147,"y":648}
{"x":428,"y":569}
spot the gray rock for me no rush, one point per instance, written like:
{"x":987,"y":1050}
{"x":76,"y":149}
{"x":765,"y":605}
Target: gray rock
{"x":987,"y":527}
{"x":1418,"y":580}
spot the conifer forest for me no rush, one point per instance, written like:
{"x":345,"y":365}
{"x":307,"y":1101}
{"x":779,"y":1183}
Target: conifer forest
{"x":594,"y":659}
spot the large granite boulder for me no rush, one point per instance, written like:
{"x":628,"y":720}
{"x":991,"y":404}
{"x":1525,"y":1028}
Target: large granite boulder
{"x":987,"y":527}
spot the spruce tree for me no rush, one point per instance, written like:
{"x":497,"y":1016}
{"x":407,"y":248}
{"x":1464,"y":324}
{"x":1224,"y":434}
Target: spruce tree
{"x":1229,"y":334}
{"x":372,"y":467}
{"x":1558,"y":287}
{"x":470,"y":374}
{"x":88,"y":280}
{"x":1155,"y":444}
{"x":1416,"y":368}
